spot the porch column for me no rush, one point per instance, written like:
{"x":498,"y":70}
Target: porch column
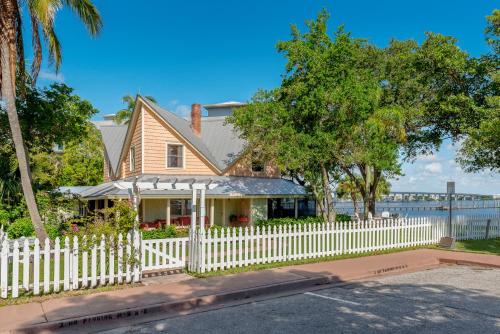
{"x":202,"y":209}
{"x":223,"y":212}
{"x":193,"y":210}
{"x":168,"y":211}
{"x":212,"y":210}
{"x":143,"y":211}
{"x":250,"y":215}
{"x":296,"y":202}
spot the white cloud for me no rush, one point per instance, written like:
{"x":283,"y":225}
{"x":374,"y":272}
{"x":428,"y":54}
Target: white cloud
{"x":427,"y":157}
{"x":434,"y":167}
{"x":183,"y":110}
{"x":51,"y":76}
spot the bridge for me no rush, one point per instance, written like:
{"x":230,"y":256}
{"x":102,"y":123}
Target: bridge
{"x":431,"y":196}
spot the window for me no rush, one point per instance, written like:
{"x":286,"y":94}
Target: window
{"x":257,"y":163}
{"x":175,"y":156}
{"x":132,"y":159}
{"x":180,"y":207}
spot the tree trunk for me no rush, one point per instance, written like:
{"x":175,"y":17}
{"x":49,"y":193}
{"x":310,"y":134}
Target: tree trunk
{"x":8,"y":96}
{"x":366,"y":196}
{"x":331,"y":214}
{"x":355,"y":203}
{"x":320,"y":203}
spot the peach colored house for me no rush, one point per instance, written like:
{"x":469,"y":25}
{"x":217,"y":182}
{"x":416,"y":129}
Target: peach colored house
{"x":159,"y":145}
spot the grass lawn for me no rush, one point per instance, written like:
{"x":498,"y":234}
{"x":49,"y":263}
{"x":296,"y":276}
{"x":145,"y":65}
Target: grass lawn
{"x":490,"y":246}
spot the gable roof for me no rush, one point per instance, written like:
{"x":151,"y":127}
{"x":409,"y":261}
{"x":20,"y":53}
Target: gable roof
{"x":219,"y":144}
{"x":113,"y":137}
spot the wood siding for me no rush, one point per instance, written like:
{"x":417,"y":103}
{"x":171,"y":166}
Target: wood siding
{"x":243,"y":167}
{"x":156,"y":136}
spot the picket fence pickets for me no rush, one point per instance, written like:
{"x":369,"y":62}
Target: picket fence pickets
{"x":64,"y":265}
{"x":168,"y":253}
{"x":237,"y":247}
{"x":28,"y":265}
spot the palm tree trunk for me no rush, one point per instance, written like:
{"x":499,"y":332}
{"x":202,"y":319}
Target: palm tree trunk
{"x":8,"y":96}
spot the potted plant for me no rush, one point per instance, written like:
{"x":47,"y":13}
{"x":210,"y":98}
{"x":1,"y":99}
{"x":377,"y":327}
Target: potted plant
{"x":233,"y":218}
{"x":243,"y":219}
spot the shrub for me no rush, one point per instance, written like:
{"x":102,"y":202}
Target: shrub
{"x":21,"y":227}
{"x":160,"y":233}
{"x":342,"y":217}
{"x":109,"y":222}
{"x":53,"y":230}
{"x":288,"y":221}
{"x":4,"y":217}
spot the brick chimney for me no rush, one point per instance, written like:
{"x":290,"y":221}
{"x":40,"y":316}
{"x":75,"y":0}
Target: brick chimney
{"x":196,"y":119}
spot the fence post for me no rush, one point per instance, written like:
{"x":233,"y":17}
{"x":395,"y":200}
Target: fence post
{"x":137,"y":250}
{"x":4,"y":265}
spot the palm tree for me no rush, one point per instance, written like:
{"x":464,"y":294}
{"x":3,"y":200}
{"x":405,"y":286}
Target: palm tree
{"x":41,"y":14}
{"x":123,"y":115}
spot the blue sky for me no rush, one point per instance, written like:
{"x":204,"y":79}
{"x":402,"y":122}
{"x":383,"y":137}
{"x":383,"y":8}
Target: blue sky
{"x":183,"y":52}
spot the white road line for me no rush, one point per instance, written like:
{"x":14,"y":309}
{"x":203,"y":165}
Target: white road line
{"x":332,"y":298}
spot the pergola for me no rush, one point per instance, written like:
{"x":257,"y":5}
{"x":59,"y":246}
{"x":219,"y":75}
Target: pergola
{"x":196,"y":186}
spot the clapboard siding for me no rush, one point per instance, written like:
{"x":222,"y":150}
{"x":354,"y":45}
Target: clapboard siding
{"x":156,"y":136}
{"x":243,"y":167}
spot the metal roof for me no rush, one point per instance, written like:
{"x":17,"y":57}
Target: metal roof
{"x":227,"y":186}
{"x":113,"y":137}
{"x":219,"y":142}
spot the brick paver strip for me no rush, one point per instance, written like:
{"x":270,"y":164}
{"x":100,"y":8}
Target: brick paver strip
{"x":194,"y":292}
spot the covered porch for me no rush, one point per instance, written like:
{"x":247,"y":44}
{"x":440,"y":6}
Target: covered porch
{"x":235,"y":201}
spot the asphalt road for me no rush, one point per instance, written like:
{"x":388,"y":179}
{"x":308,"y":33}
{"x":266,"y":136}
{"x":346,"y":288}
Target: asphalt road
{"x":444,"y":300}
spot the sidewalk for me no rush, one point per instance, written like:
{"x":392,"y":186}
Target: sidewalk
{"x":188,"y":293}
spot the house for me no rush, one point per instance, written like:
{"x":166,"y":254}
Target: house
{"x":158,"y":145}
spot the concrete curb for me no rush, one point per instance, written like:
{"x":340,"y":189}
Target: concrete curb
{"x":468,"y":263}
{"x":232,"y":296}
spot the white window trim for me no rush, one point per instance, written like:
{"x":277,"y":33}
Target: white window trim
{"x":183,"y":155}
{"x":132,"y":148}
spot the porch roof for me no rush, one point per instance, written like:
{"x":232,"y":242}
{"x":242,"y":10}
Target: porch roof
{"x":227,"y":186}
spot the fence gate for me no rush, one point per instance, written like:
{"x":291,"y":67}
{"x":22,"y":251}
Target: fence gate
{"x":161,"y":254}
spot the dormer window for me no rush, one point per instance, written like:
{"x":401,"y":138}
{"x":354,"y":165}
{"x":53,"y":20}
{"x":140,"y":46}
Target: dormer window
{"x":175,"y":155}
{"x":132,"y":159}
{"x":257,"y":163}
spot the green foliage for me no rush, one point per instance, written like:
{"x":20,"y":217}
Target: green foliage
{"x":123,"y":115}
{"x":326,"y":90}
{"x":171,"y":231}
{"x":108,"y":222}
{"x":288,"y":221}
{"x":4,"y":217}
{"x":47,"y":116}
{"x":342,"y":217}
{"x":481,"y":147}
{"x":21,"y":227}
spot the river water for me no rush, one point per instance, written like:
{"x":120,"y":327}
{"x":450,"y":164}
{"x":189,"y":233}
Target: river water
{"x":428,"y":208}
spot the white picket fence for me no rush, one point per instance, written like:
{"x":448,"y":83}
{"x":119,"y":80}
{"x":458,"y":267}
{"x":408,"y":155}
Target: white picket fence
{"x":242,"y":247}
{"x":68,"y":266}
{"x":158,"y":254}
{"x":28,"y":266}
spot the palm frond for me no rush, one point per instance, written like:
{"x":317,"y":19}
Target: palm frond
{"x":88,"y":13}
